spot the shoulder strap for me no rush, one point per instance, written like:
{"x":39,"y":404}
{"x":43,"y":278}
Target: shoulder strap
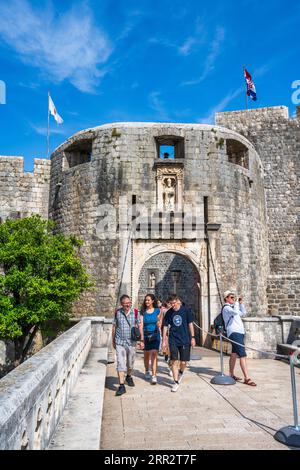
{"x":223,"y":317}
{"x":135,"y":313}
{"x":125,"y":318}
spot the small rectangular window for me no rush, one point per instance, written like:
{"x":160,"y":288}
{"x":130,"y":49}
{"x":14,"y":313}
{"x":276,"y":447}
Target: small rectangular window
{"x":78,"y":153}
{"x":170,"y":147}
{"x":167,"y":152}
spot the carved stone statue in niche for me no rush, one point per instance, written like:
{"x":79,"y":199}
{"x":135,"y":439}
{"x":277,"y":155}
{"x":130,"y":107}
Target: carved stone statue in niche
{"x":169,"y":193}
{"x":176,"y":278}
{"x":152,"y":280}
{"x":169,"y":181}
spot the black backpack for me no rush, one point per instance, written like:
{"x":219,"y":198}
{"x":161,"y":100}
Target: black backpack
{"x":219,"y":323}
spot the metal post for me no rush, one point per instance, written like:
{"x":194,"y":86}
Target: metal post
{"x":221,"y":357}
{"x":294,"y":393}
{"x":222,"y":379}
{"x":290,"y":435}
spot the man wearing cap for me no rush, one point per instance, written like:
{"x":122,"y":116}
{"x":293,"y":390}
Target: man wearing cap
{"x":232,"y":313}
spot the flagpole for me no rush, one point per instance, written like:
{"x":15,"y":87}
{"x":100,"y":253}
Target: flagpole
{"x":246,"y":96}
{"x":48,"y":129}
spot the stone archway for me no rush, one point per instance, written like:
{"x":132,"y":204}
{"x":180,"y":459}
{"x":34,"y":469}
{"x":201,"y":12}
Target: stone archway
{"x":167,"y":273}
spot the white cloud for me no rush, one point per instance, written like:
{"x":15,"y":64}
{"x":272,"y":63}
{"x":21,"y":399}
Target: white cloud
{"x":187,"y":46}
{"x":157,"y":104}
{"x":42,"y":130}
{"x":209,"y":119}
{"x":65,"y":47}
{"x":210,"y":60}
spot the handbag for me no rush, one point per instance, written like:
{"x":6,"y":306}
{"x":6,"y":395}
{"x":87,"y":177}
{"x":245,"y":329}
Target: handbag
{"x":151,"y":337}
{"x":135,"y":333}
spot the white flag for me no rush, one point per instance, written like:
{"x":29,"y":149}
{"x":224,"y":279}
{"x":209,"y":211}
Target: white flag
{"x":52,"y":110}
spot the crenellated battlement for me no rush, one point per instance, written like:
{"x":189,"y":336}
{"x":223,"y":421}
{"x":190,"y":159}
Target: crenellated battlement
{"x":23,"y":193}
{"x":15,"y":164}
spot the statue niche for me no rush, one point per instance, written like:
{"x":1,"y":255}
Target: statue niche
{"x":152,"y":280}
{"x":169,"y":184}
{"x":169,"y":194}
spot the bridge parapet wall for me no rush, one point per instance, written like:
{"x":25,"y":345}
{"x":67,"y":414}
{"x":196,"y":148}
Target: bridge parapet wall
{"x":33,"y":396}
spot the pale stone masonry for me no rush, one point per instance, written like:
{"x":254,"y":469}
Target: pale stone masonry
{"x":276,"y":138}
{"x":125,"y":162}
{"x":240,"y":176}
{"x":23,"y":193}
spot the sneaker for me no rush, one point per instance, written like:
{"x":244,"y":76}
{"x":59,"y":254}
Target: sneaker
{"x":148,"y":375}
{"x":129,"y":381}
{"x":175,"y":387}
{"x":153,"y":380}
{"x":121,"y":390}
{"x":180,"y":376}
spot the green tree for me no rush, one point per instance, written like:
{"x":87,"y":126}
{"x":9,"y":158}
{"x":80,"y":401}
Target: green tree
{"x":41,"y":275}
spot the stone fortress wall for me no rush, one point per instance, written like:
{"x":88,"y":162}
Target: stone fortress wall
{"x":97,"y":166}
{"x":276,"y":138}
{"x":23,"y":193}
{"x":243,"y":171}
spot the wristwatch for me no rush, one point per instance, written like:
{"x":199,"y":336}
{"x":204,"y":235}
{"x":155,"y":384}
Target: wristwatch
{"x":192,"y":337}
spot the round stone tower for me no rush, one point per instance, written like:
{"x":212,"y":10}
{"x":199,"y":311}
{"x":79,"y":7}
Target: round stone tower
{"x":164,"y":208}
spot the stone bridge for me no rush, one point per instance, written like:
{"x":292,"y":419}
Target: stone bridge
{"x":64,"y":398}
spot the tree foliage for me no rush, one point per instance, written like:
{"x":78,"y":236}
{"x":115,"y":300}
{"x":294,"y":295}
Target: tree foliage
{"x":41,"y":275}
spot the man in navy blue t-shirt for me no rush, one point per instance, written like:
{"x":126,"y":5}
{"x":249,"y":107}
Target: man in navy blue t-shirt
{"x":179,"y":319}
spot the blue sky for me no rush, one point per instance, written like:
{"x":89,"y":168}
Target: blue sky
{"x":138,"y":60}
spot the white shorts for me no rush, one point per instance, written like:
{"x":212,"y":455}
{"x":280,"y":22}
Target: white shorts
{"x":125,"y":357}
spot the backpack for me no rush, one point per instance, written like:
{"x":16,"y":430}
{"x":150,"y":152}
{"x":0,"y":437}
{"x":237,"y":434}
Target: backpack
{"x":219,"y":323}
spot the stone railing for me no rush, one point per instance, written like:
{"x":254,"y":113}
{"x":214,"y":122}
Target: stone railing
{"x":33,"y":396}
{"x":268,"y":333}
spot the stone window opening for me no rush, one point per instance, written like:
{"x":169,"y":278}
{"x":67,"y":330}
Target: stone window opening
{"x":170,"y":147}
{"x":78,"y":153}
{"x":237,"y":153}
{"x":167,"y":152}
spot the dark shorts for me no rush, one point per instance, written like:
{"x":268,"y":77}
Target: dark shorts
{"x":239,"y":338}
{"x":180,"y":352}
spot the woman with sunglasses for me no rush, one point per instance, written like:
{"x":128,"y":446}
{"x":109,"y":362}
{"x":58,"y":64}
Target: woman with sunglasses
{"x":236,"y":332}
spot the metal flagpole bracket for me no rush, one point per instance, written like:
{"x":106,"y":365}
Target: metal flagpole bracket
{"x":222,"y":379}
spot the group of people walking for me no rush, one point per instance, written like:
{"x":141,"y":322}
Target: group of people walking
{"x":167,"y":327}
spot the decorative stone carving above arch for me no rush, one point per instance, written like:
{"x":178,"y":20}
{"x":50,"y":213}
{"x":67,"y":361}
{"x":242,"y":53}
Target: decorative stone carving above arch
{"x":169,"y":187}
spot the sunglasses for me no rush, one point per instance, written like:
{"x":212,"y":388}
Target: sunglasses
{"x":231,"y":296}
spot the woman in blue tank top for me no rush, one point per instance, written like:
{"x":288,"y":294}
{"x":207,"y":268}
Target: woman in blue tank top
{"x":151,"y":317}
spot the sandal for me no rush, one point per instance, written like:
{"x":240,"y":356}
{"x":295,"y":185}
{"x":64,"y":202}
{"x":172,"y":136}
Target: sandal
{"x":236,"y":378}
{"x":249,"y":382}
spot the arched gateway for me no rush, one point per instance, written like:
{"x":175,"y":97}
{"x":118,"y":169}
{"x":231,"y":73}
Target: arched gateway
{"x":167,"y":273}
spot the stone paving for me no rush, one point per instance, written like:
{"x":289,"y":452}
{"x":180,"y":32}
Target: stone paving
{"x":199,"y":415}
